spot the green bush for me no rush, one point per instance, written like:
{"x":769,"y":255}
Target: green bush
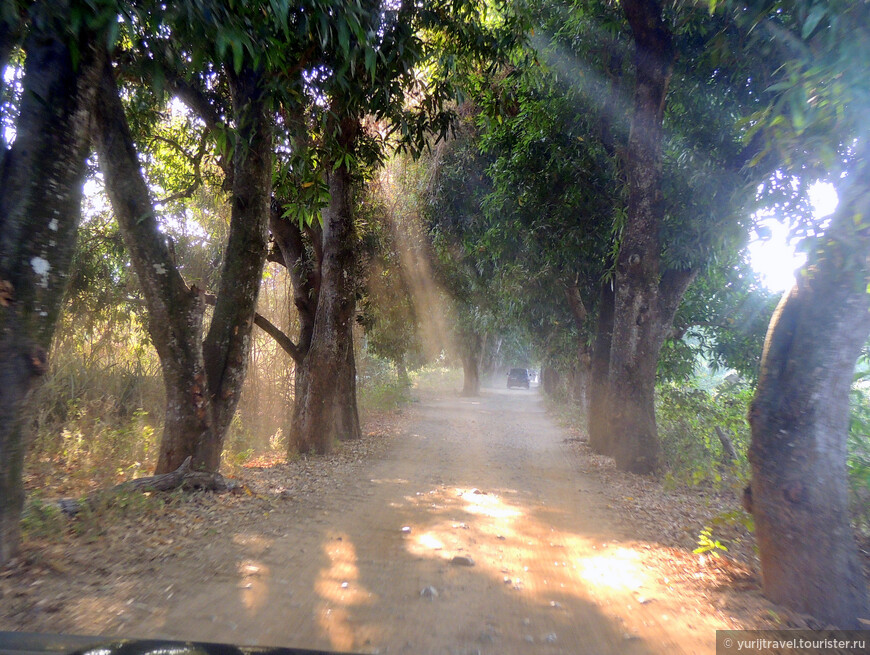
{"x":379,"y":387}
{"x":858,"y":456}
{"x":87,"y":420}
{"x":438,"y":377}
{"x":688,"y":417}
{"x":42,"y":521}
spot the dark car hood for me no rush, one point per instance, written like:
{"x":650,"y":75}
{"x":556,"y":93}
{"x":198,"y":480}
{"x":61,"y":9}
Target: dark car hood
{"x":25,"y":643}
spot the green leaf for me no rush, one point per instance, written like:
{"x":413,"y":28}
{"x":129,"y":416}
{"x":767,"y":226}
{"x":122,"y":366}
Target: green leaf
{"x":817,"y":13}
{"x":779,"y":86}
{"x":343,"y":37}
{"x":238,"y":55}
{"x":112,"y":34}
{"x":370,"y":59}
{"x":281,"y":9}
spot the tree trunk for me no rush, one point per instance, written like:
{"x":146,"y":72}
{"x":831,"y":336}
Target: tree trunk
{"x":327,"y":408}
{"x":800,"y":422}
{"x":201,"y":394}
{"x":228,"y":344}
{"x":346,"y":409}
{"x":645,"y":300}
{"x":304,"y":266}
{"x":580,"y":374}
{"x":580,"y":379}
{"x":470,"y":354}
{"x":175,"y":312}
{"x":729,"y":455}
{"x":549,"y":379}
{"x":402,"y":373}
{"x":599,"y":387}
{"x":40,"y":207}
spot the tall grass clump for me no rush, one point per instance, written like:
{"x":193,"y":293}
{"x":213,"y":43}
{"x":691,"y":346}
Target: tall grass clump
{"x":96,"y":416}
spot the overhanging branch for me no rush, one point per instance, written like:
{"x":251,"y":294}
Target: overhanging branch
{"x":285,"y":342}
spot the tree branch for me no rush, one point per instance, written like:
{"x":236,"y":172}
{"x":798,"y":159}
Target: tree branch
{"x":575,"y":302}
{"x":196,"y":162}
{"x":672,"y":286}
{"x":198,"y":101}
{"x":285,"y":342}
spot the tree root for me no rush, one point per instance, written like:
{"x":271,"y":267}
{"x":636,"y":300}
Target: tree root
{"x":182,"y":477}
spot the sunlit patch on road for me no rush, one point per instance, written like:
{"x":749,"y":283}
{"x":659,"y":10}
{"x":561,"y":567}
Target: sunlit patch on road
{"x":253,"y":584}
{"x":619,"y":568}
{"x":338,"y":584}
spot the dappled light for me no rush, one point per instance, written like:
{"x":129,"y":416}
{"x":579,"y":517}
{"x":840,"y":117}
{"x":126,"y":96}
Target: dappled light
{"x":586,"y":568}
{"x":339,"y":586}
{"x":408,"y":230}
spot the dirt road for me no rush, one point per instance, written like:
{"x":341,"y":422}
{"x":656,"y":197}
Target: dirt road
{"x":489,"y":479}
{"x":363,"y":559}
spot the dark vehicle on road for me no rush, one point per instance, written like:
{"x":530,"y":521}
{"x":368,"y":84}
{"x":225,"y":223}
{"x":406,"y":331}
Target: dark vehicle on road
{"x":518,"y":377}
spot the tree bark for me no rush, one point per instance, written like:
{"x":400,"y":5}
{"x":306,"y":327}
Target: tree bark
{"x":581,"y":372}
{"x":402,"y":373}
{"x":470,"y":355}
{"x":729,"y":455}
{"x":202,"y":380}
{"x":346,"y":408}
{"x":40,"y":206}
{"x":549,"y":379}
{"x":646,"y":299}
{"x":326,"y":407}
{"x":800,"y":422}
{"x":304,"y":263}
{"x":228,"y":343}
{"x":599,"y":387}
{"x":581,"y":377}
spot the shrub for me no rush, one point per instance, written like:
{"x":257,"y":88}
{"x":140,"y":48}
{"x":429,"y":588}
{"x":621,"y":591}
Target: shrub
{"x":379,"y":387}
{"x":858,"y":456}
{"x":687,"y":420}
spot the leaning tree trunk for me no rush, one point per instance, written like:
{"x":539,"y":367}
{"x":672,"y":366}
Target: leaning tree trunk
{"x":175,"y":312}
{"x":227,"y":346}
{"x":599,"y":386}
{"x":40,"y":206}
{"x":202,"y":380}
{"x":646,"y":299}
{"x":800,"y":422}
{"x":327,"y":408}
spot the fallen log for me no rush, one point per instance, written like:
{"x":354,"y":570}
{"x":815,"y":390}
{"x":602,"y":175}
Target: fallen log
{"x":182,"y":477}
